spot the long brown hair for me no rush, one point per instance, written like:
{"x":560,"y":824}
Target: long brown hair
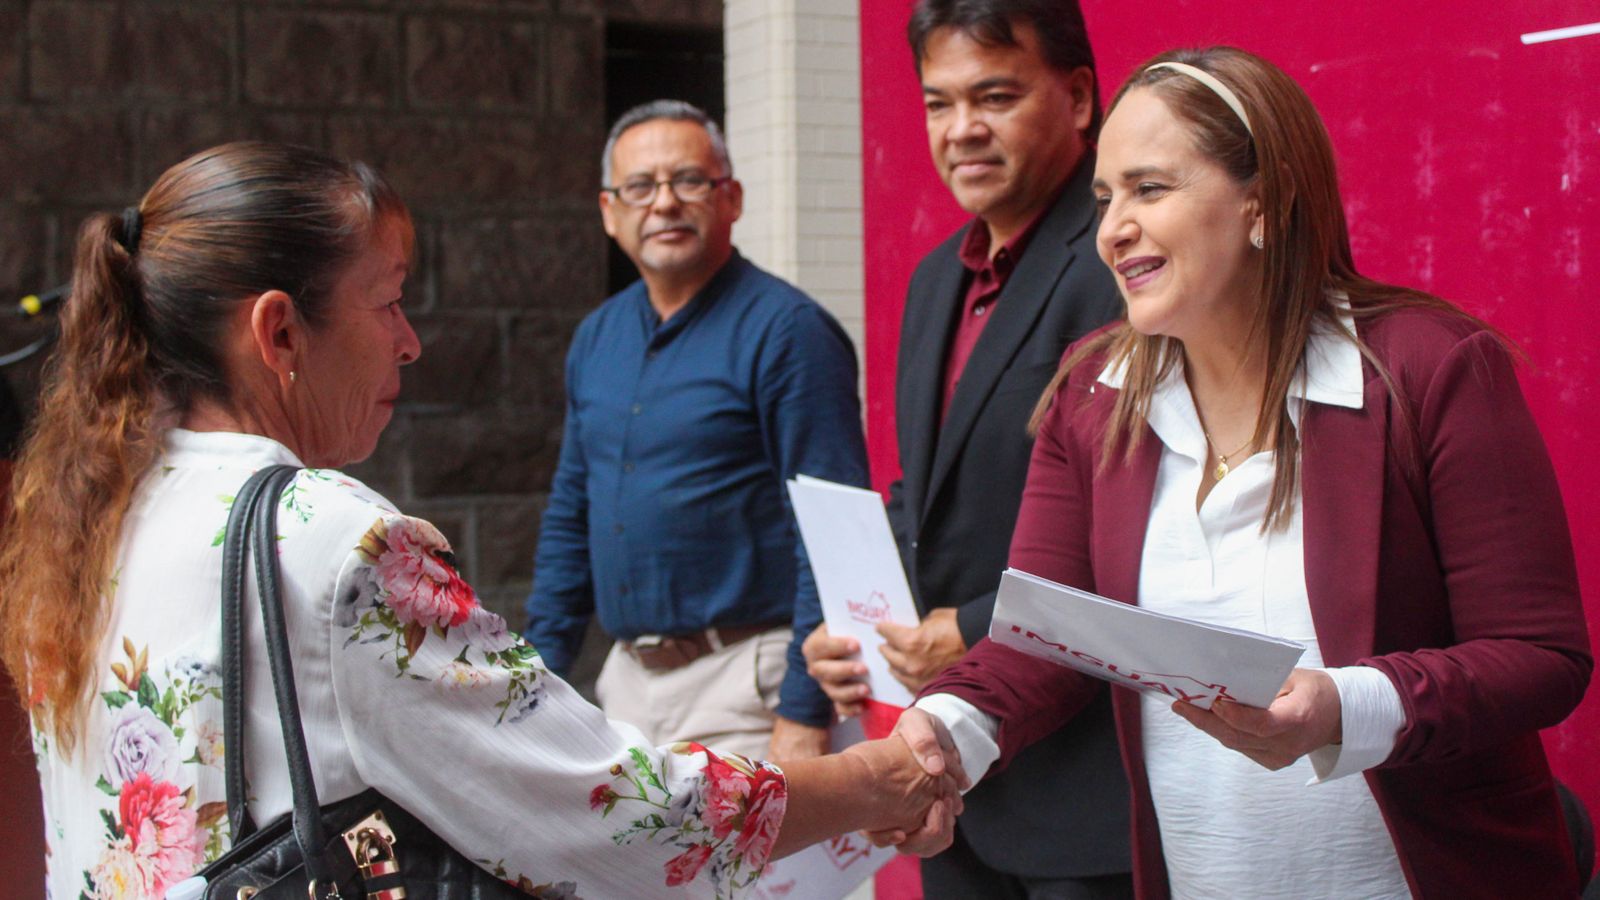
{"x":151,"y":300}
{"x":1305,"y":265}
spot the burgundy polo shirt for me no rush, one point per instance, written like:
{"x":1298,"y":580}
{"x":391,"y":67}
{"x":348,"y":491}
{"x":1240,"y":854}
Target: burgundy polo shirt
{"x":988,"y":280}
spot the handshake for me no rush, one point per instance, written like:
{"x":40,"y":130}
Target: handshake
{"x":903,"y":790}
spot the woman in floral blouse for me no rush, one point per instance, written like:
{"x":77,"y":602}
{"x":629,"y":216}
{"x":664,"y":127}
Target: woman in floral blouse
{"x":247,"y":313}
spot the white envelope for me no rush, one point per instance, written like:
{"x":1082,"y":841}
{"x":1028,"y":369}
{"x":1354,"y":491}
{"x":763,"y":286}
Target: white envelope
{"x":826,"y":871}
{"x":832,"y":869}
{"x":857,"y":568}
{"x":1133,"y":647}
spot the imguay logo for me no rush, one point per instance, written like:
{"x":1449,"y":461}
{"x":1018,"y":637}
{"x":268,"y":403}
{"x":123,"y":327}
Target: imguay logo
{"x":1181,"y":687}
{"x":872,"y":610}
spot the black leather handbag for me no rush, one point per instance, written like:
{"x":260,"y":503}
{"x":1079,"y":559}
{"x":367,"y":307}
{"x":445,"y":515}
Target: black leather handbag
{"x":350,"y":849}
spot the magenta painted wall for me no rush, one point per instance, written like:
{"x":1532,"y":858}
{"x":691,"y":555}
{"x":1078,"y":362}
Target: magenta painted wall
{"x":1470,"y":165}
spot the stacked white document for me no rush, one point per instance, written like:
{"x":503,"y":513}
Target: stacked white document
{"x":856,"y":564}
{"x":1132,"y":647}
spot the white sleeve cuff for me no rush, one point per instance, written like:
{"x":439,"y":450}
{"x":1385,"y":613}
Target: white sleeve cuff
{"x":974,"y":731}
{"x":1371,"y":716}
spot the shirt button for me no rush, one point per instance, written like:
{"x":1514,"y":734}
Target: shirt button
{"x":617,"y":529}
{"x":627,"y":467}
{"x":637,"y":408}
{"x":623,"y":590}
{"x":652,"y":354}
{"x":978,"y":310}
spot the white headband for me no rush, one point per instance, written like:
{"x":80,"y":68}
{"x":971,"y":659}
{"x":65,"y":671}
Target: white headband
{"x":1217,"y":87}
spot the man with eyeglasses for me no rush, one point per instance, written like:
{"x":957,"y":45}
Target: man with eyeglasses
{"x":692,"y":396}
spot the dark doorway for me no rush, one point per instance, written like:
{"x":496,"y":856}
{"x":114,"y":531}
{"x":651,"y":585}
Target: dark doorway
{"x":651,"y":62}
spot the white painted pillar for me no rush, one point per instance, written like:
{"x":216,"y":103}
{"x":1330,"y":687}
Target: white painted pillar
{"x":793,"y":71}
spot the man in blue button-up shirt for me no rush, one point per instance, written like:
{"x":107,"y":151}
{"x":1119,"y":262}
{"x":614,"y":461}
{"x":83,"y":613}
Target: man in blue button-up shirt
{"x":692,"y":396}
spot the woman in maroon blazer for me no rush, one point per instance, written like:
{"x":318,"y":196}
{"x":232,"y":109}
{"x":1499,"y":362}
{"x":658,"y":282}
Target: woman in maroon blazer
{"x":1274,"y":441}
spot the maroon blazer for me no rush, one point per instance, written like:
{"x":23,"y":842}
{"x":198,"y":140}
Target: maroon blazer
{"x":1436,"y":551}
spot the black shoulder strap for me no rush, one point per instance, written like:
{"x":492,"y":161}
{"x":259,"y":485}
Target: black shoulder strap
{"x":254,"y":520}
{"x":234,"y":547}
{"x":308,"y":830}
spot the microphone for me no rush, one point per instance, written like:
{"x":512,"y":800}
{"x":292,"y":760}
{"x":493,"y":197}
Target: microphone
{"x":35,"y":304}
{"x":32,"y":306}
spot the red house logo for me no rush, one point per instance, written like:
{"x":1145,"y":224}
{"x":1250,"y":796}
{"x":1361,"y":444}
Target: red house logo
{"x":872,"y":610}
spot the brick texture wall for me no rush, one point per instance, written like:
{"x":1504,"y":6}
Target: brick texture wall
{"x":486,"y":114}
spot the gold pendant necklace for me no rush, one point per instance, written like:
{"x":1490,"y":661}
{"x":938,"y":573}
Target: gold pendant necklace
{"x":1222,"y":469}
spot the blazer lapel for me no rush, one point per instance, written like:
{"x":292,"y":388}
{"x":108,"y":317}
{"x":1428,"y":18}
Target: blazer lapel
{"x":1341,"y":486}
{"x":1025,"y":296}
{"x":921,"y":383}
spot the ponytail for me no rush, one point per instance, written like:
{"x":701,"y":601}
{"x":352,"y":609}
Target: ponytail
{"x":90,"y":442}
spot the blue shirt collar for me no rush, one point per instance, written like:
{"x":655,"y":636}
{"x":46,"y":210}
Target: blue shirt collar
{"x":721,"y":282}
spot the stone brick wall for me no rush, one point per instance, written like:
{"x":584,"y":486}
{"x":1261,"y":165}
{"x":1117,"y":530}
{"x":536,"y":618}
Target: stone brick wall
{"x":487,"y":115}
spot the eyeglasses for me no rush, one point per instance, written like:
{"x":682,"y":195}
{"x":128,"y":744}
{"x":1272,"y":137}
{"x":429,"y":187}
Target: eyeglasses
{"x":689,"y":187}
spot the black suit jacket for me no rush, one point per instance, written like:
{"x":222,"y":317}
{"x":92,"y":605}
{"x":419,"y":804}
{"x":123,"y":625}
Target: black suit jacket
{"x":1061,"y":809}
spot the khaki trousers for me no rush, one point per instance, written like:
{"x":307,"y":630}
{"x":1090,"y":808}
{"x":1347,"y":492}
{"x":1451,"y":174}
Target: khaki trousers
{"x":724,"y":700}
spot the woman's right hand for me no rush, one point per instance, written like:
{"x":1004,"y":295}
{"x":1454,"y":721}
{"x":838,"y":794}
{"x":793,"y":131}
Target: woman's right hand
{"x":929,"y":741}
{"x":879,"y":787}
{"x":917,"y":807}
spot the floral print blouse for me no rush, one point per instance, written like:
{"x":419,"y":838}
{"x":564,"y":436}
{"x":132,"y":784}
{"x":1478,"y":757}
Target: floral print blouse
{"x":406,"y":684}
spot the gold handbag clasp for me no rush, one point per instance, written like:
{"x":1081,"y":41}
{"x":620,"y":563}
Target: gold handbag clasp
{"x":371,"y":843}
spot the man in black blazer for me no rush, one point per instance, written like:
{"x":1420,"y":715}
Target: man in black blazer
{"x":1011,"y":105}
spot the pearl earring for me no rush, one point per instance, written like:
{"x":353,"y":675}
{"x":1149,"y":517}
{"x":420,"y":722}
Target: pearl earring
{"x":292,"y":376}
{"x":1258,"y":242}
